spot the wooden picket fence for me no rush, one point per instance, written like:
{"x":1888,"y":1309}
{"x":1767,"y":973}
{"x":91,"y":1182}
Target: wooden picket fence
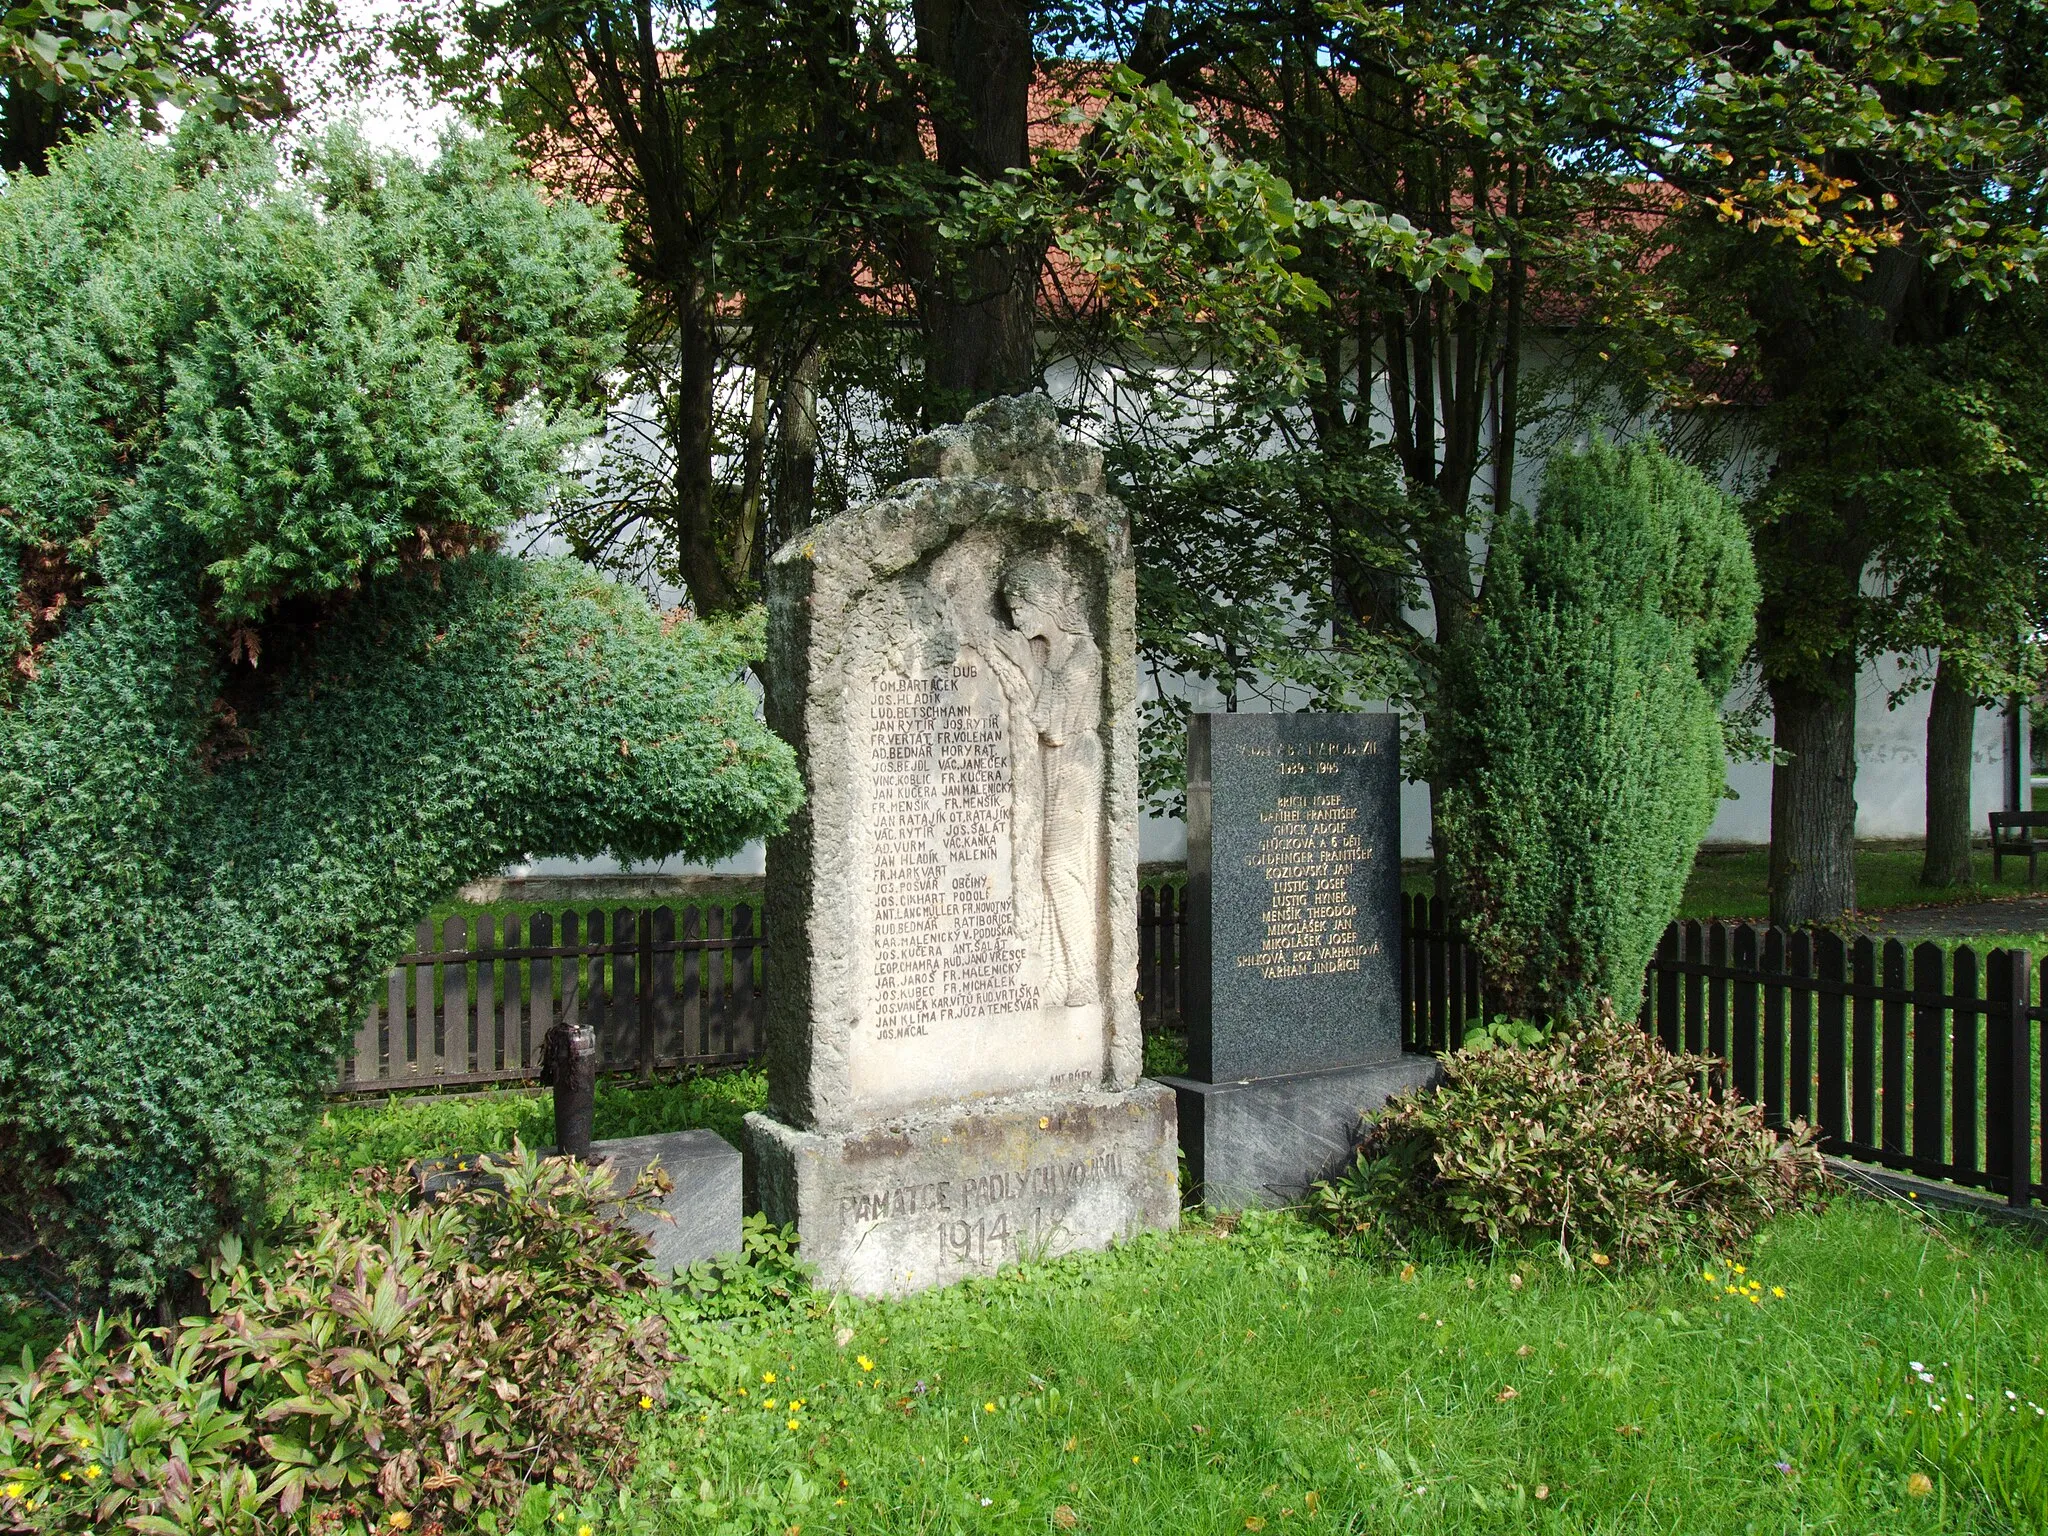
{"x":1927,"y":1062}
{"x":663,"y":988}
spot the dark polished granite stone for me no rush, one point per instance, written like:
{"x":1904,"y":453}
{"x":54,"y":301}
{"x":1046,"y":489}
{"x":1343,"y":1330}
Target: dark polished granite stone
{"x":1294,"y":886}
{"x":1264,"y":1141}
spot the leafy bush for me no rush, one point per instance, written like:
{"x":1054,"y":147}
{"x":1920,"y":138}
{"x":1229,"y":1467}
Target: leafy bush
{"x":1599,"y":1141}
{"x":1580,"y":759}
{"x":389,"y":1133}
{"x":270,"y":693}
{"x":424,"y":1364}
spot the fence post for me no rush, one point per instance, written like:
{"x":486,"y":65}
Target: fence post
{"x":645,"y":979}
{"x":2009,"y":1106}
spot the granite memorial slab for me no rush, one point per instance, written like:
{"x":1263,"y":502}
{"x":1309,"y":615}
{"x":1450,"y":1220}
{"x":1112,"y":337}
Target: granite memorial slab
{"x":952,"y":1042}
{"x":1294,"y":948}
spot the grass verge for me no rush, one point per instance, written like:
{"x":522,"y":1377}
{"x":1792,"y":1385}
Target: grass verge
{"x":1259,"y":1379}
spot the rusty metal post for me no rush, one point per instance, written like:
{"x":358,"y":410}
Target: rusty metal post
{"x":569,"y":1067}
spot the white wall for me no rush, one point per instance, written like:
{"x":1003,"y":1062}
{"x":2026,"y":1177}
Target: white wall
{"x":1891,"y":767}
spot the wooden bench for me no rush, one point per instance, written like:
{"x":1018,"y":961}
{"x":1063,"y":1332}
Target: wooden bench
{"x":2015,"y":832}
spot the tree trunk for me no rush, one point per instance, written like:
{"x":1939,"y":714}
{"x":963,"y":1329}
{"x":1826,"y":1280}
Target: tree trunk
{"x":1951,"y":735}
{"x":1813,"y":798}
{"x":796,"y":450}
{"x":31,"y":125}
{"x":979,"y":318}
{"x":712,"y":588}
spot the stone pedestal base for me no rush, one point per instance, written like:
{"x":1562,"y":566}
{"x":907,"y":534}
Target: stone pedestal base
{"x":927,"y":1199}
{"x":700,"y":1217}
{"x":1265,"y":1140}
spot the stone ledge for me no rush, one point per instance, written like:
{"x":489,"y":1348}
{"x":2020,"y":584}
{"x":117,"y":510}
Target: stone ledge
{"x":700,"y":1217}
{"x":1880,"y":1183}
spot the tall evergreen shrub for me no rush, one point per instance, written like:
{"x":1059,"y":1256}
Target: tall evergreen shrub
{"x":269,"y":694}
{"x":1585,"y":759}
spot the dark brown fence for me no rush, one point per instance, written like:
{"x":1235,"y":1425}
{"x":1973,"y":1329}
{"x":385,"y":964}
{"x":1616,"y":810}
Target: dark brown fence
{"x":1925,"y":1061}
{"x":1162,"y":954}
{"x":662,"y":988}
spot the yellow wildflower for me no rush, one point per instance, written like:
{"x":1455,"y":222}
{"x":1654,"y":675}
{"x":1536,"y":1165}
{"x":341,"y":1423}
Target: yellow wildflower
{"x":401,"y":1520}
{"x":582,"y":1530}
{"x":1778,"y":1291}
{"x":792,"y":1424}
{"x":796,"y":1405}
{"x":646,"y":1401}
{"x":1740,"y":1270}
{"x":864,"y":1362}
{"x":91,"y":1473}
{"x":988,"y":1407}
{"x":14,"y":1490}
{"x":768,"y":1378}
{"x":768,"y":1403}
{"x":1707,"y":1275}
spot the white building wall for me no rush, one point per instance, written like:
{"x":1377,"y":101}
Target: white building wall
{"x":1891,"y":767}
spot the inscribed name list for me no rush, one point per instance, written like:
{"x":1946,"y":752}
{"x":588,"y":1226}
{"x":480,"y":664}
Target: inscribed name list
{"x":1312,"y":845}
{"x":950,"y":968}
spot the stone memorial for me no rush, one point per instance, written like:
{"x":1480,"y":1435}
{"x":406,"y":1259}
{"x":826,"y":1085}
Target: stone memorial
{"x":952,"y":1038}
{"x":1294,"y":948}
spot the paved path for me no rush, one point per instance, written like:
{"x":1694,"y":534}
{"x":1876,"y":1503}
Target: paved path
{"x":1961,"y":920}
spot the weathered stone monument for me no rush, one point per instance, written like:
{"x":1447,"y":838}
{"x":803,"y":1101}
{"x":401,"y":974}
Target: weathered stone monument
{"x":953,"y":1046}
{"x":1294,"y":948}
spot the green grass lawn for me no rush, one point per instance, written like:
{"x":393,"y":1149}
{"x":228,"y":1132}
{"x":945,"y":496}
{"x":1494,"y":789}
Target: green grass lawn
{"x":1263,"y":1378}
{"x":1259,"y":1379}
{"x":1735,"y":883}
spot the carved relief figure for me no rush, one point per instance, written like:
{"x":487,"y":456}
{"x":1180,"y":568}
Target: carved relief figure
{"x":1051,"y":672}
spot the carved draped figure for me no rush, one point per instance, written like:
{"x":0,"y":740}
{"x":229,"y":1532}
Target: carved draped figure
{"x":1055,"y":683}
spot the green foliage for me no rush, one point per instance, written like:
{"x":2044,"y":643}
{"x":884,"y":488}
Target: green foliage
{"x":1582,"y":758}
{"x":273,"y":697}
{"x":435,"y":1360}
{"x":66,"y":64}
{"x":1235,"y":553}
{"x":1600,"y":1143}
{"x":1173,"y":229}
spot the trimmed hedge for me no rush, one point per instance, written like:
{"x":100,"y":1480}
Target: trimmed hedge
{"x":272,"y":696}
{"x":1582,"y":757}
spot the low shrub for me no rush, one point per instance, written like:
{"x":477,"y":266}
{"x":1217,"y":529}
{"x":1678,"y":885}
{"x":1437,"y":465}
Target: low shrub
{"x":320,"y":1181}
{"x":419,"y":1366}
{"x":1599,"y":1141}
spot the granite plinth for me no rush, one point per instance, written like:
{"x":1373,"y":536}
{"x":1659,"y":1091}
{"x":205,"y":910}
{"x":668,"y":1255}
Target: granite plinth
{"x":925,"y":1200}
{"x":700,"y":1217}
{"x":1263,"y":1141}
{"x":1294,"y":893}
